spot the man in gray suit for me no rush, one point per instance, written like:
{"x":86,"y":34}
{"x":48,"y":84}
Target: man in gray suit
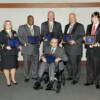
{"x":59,"y":54}
{"x":30,"y":51}
{"x":51,"y":26}
{"x":73,"y":47}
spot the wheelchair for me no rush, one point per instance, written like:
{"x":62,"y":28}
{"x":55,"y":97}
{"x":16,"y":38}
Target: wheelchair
{"x":58,"y":82}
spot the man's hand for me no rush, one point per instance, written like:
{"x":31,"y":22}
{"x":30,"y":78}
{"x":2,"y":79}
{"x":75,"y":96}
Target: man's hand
{"x":72,"y":42}
{"x":20,"y":48}
{"x":44,"y":39}
{"x":95,"y":45}
{"x":43,"y":59}
{"x":58,"y":60}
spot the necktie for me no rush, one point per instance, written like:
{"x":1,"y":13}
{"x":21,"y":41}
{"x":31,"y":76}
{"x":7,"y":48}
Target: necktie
{"x":70,"y":29}
{"x":32,"y":31}
{"x":52,"y":50}
{"x":93,"y":32}
{"x":50,"y":27}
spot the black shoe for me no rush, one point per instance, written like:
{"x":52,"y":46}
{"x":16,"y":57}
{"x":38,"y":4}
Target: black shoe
{"x":88,"y":84}
{"x":14,"y":83}
{"x":69,"y":79}
{"x":49,"y":86}
{"x":8,"y":85}
{"x":58,"y":87}
{"x":26,"y":80}
{"x":74,"y":82}
{"x":37,"y":85}
{"x":97,"y":86}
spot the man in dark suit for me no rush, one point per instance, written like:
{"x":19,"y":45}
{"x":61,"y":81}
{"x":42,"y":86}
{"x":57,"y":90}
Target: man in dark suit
{"x":60,"y":56}
{"x":52,"y":27}
{"x":30,"y":51}
{"x":93,"y":52}
{"x":73,"y":47}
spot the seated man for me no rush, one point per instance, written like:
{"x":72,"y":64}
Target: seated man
{"x":57,"y":57}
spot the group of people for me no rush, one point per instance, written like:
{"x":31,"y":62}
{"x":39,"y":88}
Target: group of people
{"x":69,"y":52}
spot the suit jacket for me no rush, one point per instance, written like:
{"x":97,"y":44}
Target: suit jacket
{"x":77,"y":34}
{"x":95,"y":51}
{"x":59,"y":52}
{"x":57,"y":29}
{"x":23,"y":32}
{"x":4,"y":38}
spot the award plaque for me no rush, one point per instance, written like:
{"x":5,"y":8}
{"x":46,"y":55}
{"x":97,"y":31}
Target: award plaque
{"x":89,"y":40}
{"x":50,"y":58}
{"x":14,"y":42}
{"x":48,"y":36}
{"x":33,"y":39}
{"x":67,"y":37}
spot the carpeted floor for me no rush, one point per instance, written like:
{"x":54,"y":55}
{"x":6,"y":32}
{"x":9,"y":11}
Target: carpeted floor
{"x":25,"y":91}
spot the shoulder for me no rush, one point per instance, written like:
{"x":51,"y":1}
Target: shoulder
{"x":37,"y":27}
{"x":58,"y":23}
{"x":79,"y":24}
{"x":22,"y":26}
{"x":44,"y":23}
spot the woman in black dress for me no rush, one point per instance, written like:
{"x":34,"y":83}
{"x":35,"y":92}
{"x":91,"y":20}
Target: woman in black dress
{"x":9,"y":54}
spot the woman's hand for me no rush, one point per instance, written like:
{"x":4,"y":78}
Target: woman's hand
{"x":8,"y":47}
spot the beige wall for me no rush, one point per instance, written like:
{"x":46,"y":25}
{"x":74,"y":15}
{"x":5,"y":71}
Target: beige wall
{"x":18,"y":16}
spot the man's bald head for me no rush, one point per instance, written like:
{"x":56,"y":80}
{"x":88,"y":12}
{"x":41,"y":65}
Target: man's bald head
{"x":72,"y":18}
{"x":51,"y":16}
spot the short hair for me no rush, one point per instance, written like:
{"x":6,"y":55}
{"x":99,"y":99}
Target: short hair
{"x":96,"y":14}
{"x":29,"y":16}
{"x":6,"y":21}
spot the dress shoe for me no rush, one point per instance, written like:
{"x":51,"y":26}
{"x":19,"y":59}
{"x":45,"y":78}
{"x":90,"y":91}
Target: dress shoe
{"x":8,"y":85}
{"x":69,"y":79}
{"x":14,"y":83}
{"x":88,"y":84}
{"x":58,"y":87}
{"x":37,"y":85}
{"x":74,"y":82}
{"x":49,"y":86}
{"x":97,"y":86}
{"x":26,"y":80}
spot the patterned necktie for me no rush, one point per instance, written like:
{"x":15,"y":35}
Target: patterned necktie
{"x":93,"y":32}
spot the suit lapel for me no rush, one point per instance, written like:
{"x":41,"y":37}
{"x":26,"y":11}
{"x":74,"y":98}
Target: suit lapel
{"x":28,"y":30}
{"x":74,"y":28}
{"x":98,"y":28}
{"x":54,"y":24}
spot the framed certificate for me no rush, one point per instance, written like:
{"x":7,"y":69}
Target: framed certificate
{"x":33,"y":39}
{"x":89,"y":40}
{"x":67,"y":37}
{"x":14,"y":42}
{"x":50,"y":58}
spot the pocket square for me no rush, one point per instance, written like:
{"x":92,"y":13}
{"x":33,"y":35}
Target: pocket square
{"x":33,"y":39}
